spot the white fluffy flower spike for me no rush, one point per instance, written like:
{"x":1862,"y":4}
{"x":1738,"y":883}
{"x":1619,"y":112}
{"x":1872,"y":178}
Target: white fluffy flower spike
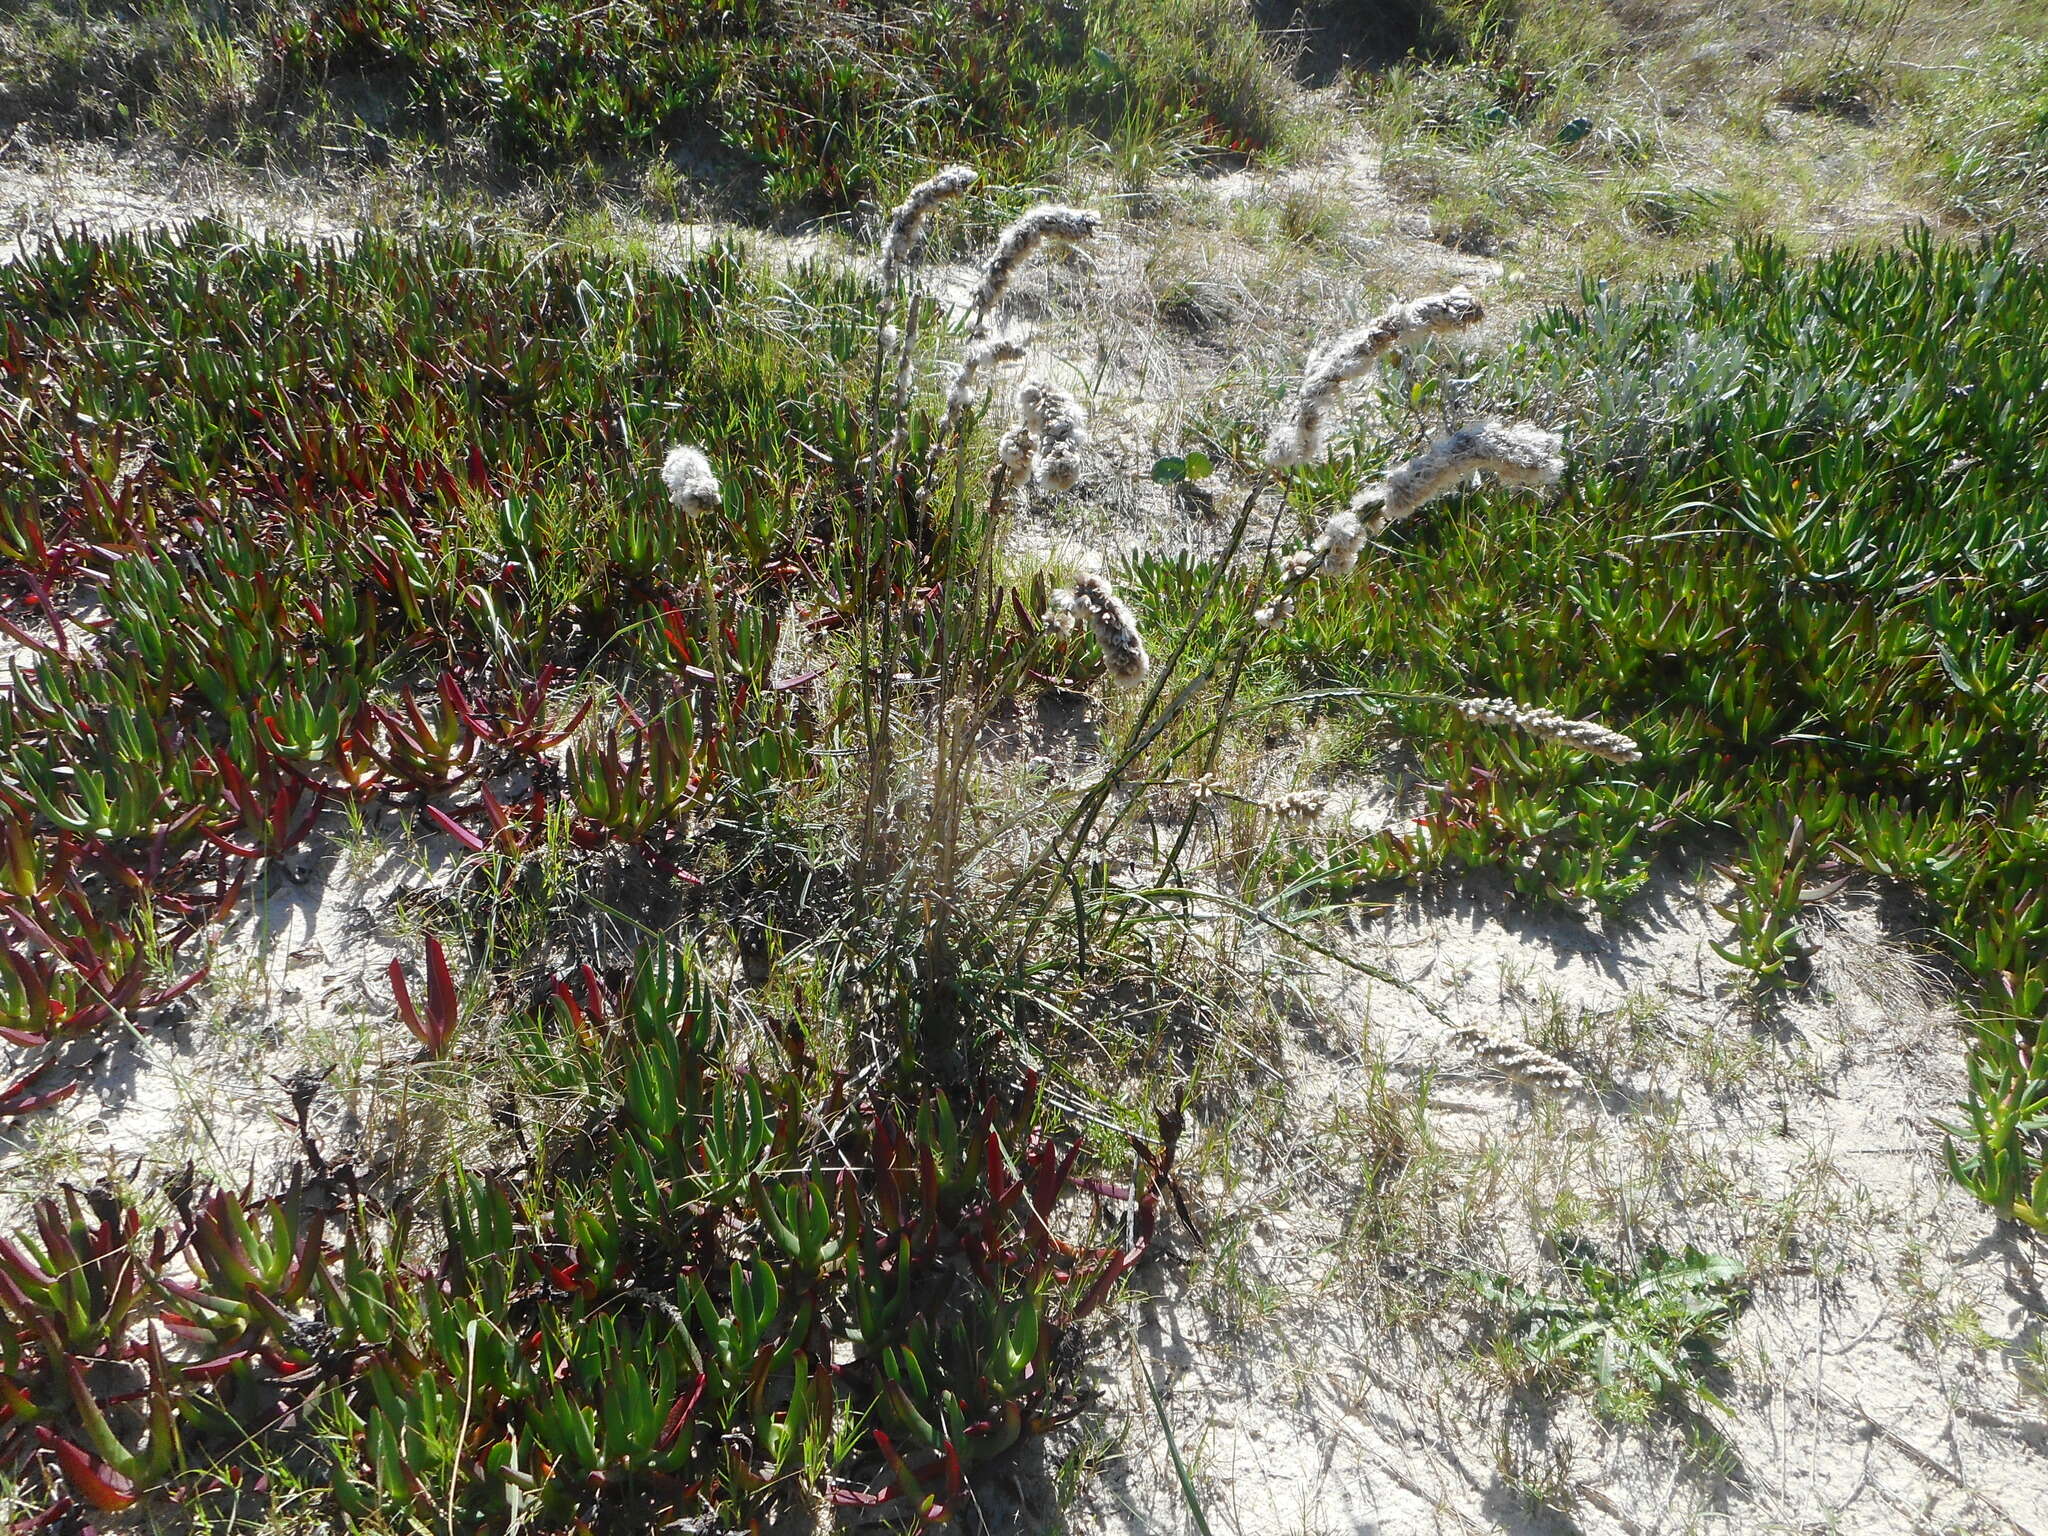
{"x":1091,"y":602}
{"x":1055,"y":421}
{"x":1300,"y":436}
{"x":1516,"y":453}
{"x":1549,"y":725}
{"x":906,"y":224}
{"x":1052,"y":222}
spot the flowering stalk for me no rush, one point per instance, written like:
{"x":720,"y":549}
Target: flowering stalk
{"x":1300,"y":437}
{"x":1549,"y":725}
{"x":981,"y":356}
{"x":1516,"y":453}
{"x":906,"y":224}
{"x":1059,"y":428}
{"x":1091,"y":601}
{"x":1052,"y":222}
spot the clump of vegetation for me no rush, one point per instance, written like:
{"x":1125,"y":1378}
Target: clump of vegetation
{"x":738,"y":1288}
{"x":1853,"y":77}
{"x":813,"y":105}
{"x":1986,"y":143}
{"x":1644,"y":1338}
{"x":385,"y":524}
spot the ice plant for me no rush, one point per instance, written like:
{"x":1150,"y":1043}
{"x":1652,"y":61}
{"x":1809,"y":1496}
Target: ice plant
{"x":1014,"y":246}
{"x":1091,"y":601}
{"x":436,"y":1026}
{"x":691,"y":484}
{"x":1549,"y":725}
{"x":1059,"y":427}
{"x":1300,"y":436}
{"x":906,"y":224}
{"x":1515,"y":453}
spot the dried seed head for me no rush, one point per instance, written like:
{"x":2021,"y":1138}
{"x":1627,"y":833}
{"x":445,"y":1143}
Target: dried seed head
{"x":1516,"y":453}
{"x":1301,"y":805}
{"x":1343,"y":536}
{"x":980,"y":357}
{"x":1299,"y":438}
{"x":691,"y":484}
{"x":1519,"y":1060}
{"x":1548,"y":725}
{"x":1302,"y":563}
{"x":1046,"y":222}
{"x":1115,"y":630}
{"x":1063,"y":612}
{"x":1014,"y":449}
{"x":1055,"y":418}
{"x":906,"y":224}
{"x":1275,"y":614}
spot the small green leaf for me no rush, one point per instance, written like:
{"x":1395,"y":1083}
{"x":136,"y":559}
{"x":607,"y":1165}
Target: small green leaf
{"x":1169,"y":471}
{"x":1198,"y":465}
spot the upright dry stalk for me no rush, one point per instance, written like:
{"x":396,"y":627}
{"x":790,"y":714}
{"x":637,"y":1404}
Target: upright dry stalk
{"x":906,"y":225}
{"x":1516,"y":453}
{"x":1300,"y":436}
{"x":1549,"y":725}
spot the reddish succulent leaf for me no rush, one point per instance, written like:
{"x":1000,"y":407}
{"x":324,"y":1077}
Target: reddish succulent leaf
{"x":97,"y":1483}
{"x":455,"y":829}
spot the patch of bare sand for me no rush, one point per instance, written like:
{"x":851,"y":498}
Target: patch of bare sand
{"x":296,"y":988}
{"x":105,"y":192}
{"x":1324,"y":1367}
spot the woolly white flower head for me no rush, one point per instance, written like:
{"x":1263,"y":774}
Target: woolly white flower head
{"x":1517,"y":453}
{"x":1299,"y":437}
{"x":1301,"y":804}
{"x":1275,"y":614}
{"x":1014,"y":448}
{"x":981,"y":356}
{"x":1055,"y":419}
{"x":691,"y":484}
{"x":1116,"y":632}
{"x":1548,"y":725}
{"x":906,"y":224}
{"x":1048,"y":222}
{"x":1342,"y":538}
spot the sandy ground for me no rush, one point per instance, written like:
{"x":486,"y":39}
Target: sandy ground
{"x":1324,"y":1371}
{"x":296,"y":989}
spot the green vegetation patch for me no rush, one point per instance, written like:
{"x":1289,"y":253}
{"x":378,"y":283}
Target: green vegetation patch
{"x":1986,"y":147}
{"x":379,"y":527}
{"x":818,"y":104}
